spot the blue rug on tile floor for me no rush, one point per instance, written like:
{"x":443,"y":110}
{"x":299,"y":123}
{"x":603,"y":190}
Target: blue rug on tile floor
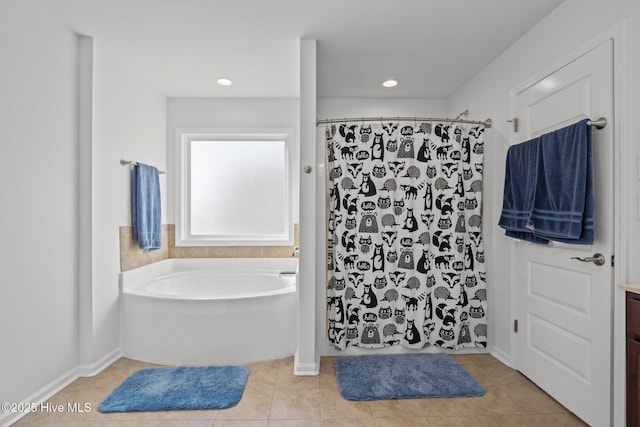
{"x":161,"y":389}
{"x":403,"y":376}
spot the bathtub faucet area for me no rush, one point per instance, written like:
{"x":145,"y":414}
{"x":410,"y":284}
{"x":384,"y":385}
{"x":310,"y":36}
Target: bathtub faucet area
{"x":287,"y":274}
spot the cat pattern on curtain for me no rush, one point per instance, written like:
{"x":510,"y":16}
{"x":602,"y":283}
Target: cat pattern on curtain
{"x":405,"y":250}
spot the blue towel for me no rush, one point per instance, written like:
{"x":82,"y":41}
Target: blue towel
{"x":519,"y":189}
{"x":548,"y":190}
{"x":529,"y":236}
{"x":564,"y":204}
{"x":145,"y":209}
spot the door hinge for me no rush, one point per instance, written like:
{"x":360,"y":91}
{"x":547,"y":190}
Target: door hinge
{"x":613,"y":260}
{"x":515,"y":325}
{"x":515,"y":123}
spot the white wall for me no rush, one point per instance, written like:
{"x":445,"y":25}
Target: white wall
{"x":38,"y":295}
{"x":572,"y":24}
{"x":228,"y":113}
{"x":39,"y":110}
{"x":336,"y":108}
{"x":307,"y":358}
{"x":129,"y":122}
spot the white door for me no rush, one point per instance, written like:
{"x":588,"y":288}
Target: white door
{"x":564,"y":306}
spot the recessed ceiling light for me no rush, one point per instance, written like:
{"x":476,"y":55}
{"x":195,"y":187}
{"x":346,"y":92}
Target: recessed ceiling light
{"x":390,"y":83}
{"x":224,"y":82}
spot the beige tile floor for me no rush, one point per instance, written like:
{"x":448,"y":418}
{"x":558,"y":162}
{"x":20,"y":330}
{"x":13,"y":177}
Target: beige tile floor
{"x":274,"y":397}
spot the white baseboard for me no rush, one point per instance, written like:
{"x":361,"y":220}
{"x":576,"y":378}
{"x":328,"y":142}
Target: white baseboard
{"x":89,"y":370}
{"x":40,"y":396}
{"x":501,"y":356}
{"x":306,"y":369}
{"x":49,"y":390}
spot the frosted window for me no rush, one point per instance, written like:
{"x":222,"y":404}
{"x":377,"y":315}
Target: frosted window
{"x":234,"y":187}
{"x":238,"y":188}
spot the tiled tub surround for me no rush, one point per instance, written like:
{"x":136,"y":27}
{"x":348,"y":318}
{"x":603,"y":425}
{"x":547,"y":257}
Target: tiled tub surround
{"x":131,"y":256}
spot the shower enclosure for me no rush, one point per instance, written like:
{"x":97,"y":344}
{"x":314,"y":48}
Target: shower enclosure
{"x":404,"y":247}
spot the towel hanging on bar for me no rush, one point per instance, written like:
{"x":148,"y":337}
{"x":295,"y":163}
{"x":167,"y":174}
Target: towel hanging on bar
{"x":132,"y":163}
{"x":548,"y":191}
{"x":146,"y":207}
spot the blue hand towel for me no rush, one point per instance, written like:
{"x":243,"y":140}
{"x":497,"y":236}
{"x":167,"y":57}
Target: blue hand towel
{"x":564,"y":204}
{"x":145,"y":212}
{"x":519,"y":189}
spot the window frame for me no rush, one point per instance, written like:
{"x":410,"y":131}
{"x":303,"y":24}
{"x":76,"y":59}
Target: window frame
{"x":184,"y":136}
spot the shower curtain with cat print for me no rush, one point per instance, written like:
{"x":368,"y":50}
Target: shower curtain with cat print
{"x":405,"y":250}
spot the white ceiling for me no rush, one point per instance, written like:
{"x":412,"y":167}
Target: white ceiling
{"x":182,"y":46}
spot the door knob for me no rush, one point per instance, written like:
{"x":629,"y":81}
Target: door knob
{"x":597,"y":259}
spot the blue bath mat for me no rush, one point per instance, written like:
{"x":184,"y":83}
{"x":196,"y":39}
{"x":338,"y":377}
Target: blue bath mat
{"x":161,"y":389}
{"x":403,"y":376}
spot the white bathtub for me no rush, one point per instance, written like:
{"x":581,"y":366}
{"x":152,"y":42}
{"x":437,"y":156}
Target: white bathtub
{"x":209,"y":311}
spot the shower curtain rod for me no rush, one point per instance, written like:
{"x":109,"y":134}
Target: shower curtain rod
{"x":598,"y":123}
{"x":486,"y":123}
{"x":129,"y":162}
